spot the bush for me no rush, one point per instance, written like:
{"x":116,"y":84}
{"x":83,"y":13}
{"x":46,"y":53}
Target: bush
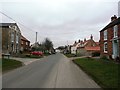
{"x":117,"y":59}
{"x":95,"y":54}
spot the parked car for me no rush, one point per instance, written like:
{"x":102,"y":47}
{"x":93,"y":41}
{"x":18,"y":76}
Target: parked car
{"x":38,"y":53}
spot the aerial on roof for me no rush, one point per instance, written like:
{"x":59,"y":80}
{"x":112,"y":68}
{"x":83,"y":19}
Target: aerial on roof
{"x":115,"y":22}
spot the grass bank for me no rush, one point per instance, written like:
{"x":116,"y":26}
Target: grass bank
{"x":9,"y":64}
{"x":104,"y":72}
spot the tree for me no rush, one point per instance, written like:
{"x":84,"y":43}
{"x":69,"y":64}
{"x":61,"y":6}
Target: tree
{"x":48,"y":45}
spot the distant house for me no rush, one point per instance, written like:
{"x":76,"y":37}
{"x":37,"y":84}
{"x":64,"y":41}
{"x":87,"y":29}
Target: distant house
{"x":36,"y":44}
{"x":110,"y":39}
{"x":10,"y":38}
{"x":86,"y":47}
{"x":25,"y":44}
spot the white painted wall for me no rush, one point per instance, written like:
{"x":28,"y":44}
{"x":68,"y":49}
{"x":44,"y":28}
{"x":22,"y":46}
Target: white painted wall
{"x":73,"y":50}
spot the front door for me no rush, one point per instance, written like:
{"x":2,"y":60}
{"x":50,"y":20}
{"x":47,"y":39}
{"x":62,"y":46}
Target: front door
{"x":115,"y":49}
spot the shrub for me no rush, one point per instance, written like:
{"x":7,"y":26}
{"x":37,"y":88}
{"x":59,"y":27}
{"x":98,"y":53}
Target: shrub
{"x":94,"y":54}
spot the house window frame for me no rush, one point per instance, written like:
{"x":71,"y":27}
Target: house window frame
{"x":105,"y":47}
{"x":17,"y":38}
{"x":105,"y":35}
{"x":115,"y":28}
{"x":22,"y":42}
{"x":12,"y":36}
{"x":26,"y":43}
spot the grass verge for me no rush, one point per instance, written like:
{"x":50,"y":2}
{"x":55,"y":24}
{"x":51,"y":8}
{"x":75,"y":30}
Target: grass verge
{"x":70,"y":55}
{"x":104,"y":72}
{"x":9,"y":64}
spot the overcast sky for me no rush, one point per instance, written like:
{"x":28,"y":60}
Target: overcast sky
{"x":63,"y":21}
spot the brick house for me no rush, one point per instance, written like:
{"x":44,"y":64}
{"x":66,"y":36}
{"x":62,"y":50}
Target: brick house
{"x":110,"y":39}
{"x":10,"y":38}
{"x":86,"y":47}
{"x":25,"y":44}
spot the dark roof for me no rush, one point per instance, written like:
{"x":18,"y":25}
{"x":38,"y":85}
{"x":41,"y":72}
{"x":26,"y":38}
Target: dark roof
{"x":23,"y":38}
{"x":7,"y":24}
{"x":115,"y":22}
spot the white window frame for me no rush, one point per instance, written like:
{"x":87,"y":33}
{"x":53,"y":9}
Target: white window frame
{"x":105,"y":35}
{"x":17,"y":38}
{"x":12,"y":37}
{"x":26,"y":43}
{"x":115,"y":28}
{"x":105,"y":48}
{"x":22,"y":42}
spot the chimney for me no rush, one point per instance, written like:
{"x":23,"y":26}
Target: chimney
{"x":75,"y":42}
{"x":84,"y":39}
{"x":91,"y":37}
{"x":113,"y":18}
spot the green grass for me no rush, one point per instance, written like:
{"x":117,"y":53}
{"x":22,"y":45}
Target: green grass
{"x":104,"y":72}
{"x":69,"y":55}
{"x":9,"y":64}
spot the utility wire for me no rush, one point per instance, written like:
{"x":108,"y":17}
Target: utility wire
{"x":17,"y":21}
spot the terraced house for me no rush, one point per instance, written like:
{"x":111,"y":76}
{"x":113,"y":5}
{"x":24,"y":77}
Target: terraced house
{"x":110,"y":39}
{"x":10,"y":38}
{"x":86,"y":47}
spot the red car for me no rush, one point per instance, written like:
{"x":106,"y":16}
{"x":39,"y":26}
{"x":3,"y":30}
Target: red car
{"x":38,"y":53}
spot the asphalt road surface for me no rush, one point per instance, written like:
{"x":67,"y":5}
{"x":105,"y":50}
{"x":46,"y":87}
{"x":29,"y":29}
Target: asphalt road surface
{"x":54,"y":71}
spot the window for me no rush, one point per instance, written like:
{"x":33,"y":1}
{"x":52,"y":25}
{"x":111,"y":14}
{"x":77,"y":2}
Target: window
{"x":105,"y":35}
{"x":17,"y":38}
{"x":12,"y":37}
{"x":21,"y":42}
{"x":26,"y":43}
{"x":105,"y":47}
{"x":115,"y":31}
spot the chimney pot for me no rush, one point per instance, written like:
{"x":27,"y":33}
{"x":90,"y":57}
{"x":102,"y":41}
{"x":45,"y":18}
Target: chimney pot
{"x":113,"y":18}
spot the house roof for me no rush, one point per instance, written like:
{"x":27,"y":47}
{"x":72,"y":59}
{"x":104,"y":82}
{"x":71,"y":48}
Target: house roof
{"x":115,"y":22}
{"x":23,"y":38}
{"x":7,"y":24}
{"x":97,"y":48}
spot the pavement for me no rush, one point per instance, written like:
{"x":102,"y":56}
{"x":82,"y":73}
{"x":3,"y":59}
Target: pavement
{"x":54,"y":71}
{"x":25,"y":61}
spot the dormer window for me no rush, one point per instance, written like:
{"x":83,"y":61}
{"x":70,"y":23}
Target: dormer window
{"x":115,"y":31}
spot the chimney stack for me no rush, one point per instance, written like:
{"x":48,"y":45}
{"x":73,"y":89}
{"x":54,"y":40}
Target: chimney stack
{"x":91,"y":37}
{"x":84,"y":39}
{"x":113,"y":18}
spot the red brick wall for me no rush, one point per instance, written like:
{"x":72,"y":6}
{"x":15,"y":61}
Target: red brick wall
{"x":24,"y":45}
{"x":109,"y":42}
{"x":101,"y":43}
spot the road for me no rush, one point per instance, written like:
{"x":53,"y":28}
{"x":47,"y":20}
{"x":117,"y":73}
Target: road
{"x":55,"y":71}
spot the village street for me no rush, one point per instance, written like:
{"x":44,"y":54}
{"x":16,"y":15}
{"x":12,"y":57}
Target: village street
{"x":54,"y":71}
